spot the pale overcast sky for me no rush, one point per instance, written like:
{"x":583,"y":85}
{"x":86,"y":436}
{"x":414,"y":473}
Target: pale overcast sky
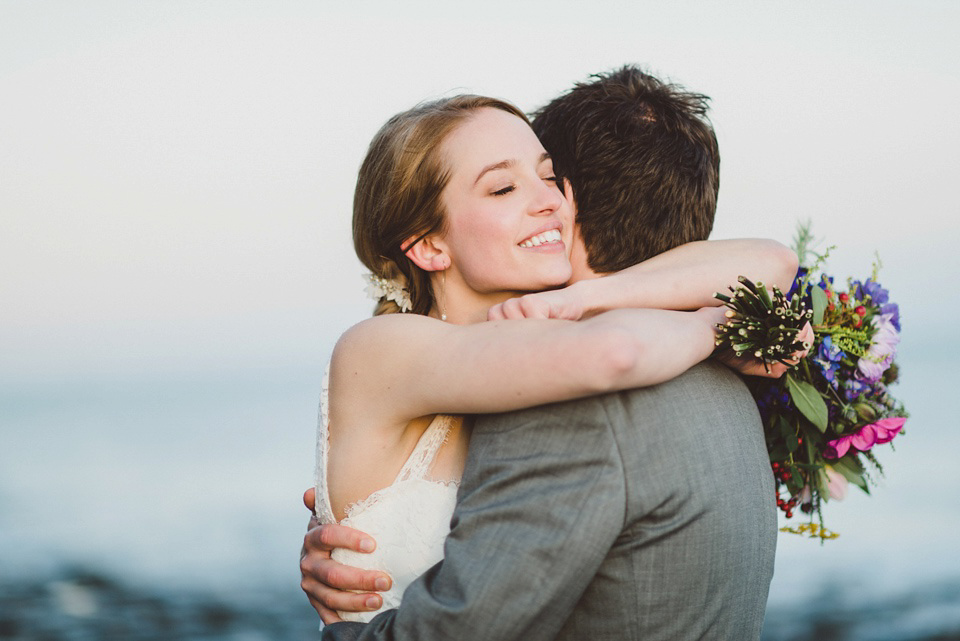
{"x":176,"y":177}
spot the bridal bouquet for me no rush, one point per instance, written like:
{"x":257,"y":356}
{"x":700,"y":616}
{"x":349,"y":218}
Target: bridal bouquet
{"x":823,"y":418}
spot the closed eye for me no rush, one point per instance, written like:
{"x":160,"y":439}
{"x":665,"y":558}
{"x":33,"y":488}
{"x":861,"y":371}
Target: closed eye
{"x":504,"y":191}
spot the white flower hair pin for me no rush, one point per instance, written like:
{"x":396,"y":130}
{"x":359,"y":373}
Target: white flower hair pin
{"x":388,"y":288}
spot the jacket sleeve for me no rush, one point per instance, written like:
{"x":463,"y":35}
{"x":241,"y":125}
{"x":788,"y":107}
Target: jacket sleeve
{"x":541,"y":503}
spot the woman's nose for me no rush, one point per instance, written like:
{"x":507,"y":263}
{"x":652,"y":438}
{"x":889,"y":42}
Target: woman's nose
{"x":548,"y":198}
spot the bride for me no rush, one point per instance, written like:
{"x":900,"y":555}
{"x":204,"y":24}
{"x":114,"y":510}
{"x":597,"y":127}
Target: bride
{"x":456,"y":211}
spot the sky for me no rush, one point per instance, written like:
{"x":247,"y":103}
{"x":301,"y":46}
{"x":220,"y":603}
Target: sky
{"x":176,"y":177}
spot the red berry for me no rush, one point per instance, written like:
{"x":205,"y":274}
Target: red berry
{"x":860,"y":311}
{"x":844,"y":297}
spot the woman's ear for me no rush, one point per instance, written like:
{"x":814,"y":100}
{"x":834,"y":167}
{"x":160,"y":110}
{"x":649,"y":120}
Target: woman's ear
{"x":428,"y":253}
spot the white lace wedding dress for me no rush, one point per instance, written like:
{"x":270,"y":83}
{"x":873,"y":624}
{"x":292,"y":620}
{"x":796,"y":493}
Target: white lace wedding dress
{"x":409,"y":519}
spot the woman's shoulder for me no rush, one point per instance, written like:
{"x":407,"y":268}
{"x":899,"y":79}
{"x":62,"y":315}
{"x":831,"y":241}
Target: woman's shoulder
{"x":371,"y":347}
{"x":382,"y":331}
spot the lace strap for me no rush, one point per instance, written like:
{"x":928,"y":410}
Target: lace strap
{"x":427,"y":447}
{"x":322,"y":508}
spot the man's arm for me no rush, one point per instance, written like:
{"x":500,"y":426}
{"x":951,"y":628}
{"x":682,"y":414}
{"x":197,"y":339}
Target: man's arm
{"x":541,"y":503}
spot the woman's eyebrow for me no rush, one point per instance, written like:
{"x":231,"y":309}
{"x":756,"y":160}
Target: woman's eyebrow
{"x":503,"y":164}
{"x":507,"y":164}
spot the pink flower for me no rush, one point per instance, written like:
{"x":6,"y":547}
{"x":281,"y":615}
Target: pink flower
{"x":837,"y":484}
{"x":866,"y":437}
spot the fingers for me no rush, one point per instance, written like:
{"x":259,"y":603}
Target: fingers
{"x":327,"y":615}
{"x":319,"y":567}
{"x":529,"y":306}
{"x":310,"y":499}
{"x":540,"y":306}
{"x":776,"y":370}
{"x":333,"y":535}
{"x":315,"y":561}
{"x":327,"y":601}
{"x":513,"y":309}
{"x":806,"y":336}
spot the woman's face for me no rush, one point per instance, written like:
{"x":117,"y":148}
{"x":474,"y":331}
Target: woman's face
{"x":509,"y":229}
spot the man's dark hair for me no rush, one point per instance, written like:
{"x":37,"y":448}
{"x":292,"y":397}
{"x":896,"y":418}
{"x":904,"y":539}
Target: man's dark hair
{"x":643,"y":161}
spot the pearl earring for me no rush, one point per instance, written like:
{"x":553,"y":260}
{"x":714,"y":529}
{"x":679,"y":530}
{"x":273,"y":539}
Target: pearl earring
{"x":443,"y":284}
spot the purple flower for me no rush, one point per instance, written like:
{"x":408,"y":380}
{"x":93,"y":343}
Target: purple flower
{"x":873,"y":289}
{"x":893,"y":310}
{"x":882,"y":350}
{"x":876,"y":291}
{"x":854,"y":388}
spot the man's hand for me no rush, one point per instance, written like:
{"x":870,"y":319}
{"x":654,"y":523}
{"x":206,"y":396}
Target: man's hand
{"x":326,"y":582}
{"x":565,"y":303}
{"x":754,"y":366}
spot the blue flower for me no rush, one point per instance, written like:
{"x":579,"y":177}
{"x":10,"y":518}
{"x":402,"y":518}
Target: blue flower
{"x":828,"y":359}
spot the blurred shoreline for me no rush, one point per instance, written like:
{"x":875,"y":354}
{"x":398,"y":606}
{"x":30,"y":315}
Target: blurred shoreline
{"x":81,"y":603}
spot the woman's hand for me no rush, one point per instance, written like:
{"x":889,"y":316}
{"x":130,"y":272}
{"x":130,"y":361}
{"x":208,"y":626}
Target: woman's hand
{"x":751,"y":366}
{"x":332,"y":586}
{"x":565,"y":303}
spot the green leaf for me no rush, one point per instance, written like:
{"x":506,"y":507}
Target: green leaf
{"x":789,"y":435}
{"x":819,"y":304}
{"x":808,"y":400}
{"x":851,"y":470}
{"x":822,"y":482}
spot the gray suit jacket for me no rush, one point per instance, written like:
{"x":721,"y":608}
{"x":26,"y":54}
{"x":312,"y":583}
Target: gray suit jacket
{"x":646,"y":514}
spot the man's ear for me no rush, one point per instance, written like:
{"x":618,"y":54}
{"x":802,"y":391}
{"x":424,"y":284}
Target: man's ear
{"x":429,"y":253}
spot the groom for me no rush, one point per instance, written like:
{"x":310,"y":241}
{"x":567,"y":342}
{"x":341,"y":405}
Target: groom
{"x":645,"y":514}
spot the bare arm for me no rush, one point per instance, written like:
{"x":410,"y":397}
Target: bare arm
{"x":682,"y":278}
{"x":421,"y":366}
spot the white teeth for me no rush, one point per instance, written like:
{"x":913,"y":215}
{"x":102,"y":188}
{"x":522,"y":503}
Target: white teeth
{"x":546,"y":237}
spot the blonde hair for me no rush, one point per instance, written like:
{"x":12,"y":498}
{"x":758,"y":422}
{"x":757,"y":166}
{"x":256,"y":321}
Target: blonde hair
{"x":399,"y":189}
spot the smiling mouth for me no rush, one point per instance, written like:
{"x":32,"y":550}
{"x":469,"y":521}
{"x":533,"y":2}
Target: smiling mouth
{"x":552,"y":236}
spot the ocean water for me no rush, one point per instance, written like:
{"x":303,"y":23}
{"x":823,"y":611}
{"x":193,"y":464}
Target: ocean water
{"x":185,"y":495}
